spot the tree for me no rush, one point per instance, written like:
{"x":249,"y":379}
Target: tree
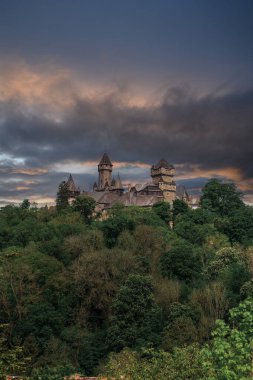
{"x":52,"y":373}
{"x":143,"y":215}
{"x":184,"y":363}
{"x":12,"y":360}
{"x":178,"y":333}
{"x":211,"y":301}
{"x":167,"y":292}
{"x":223,"y":258}
{"x":114,"y":226}
{"x":150,"y":243}
{"x":95,"y":285}
{"x":181,"y":262}
{"x":25,"y":205}
{"x":179,"y":207}
{"x":63,"y":195}
{"x":89,"y":241}
{"x":194,"y":232}
{"x":233,"y":278}
{"x":230,"y":352}
{"x":216,"y":241}
{"x":240,"y":226}
{"x":162,"y":209}
{"x":221,"y":198}
{"x":86,"y":206}
{"x":136,"y":319}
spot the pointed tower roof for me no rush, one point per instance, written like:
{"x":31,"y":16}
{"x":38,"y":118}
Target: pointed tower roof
{"x":118,"y":183}
{"x":163,"y":164}
{"x":105,"y":160}
{"x":113,"y":182}
{"x":71,"y":184}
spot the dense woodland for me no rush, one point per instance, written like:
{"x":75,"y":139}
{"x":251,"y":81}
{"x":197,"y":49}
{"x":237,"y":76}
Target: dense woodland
{"x":148,"y":293}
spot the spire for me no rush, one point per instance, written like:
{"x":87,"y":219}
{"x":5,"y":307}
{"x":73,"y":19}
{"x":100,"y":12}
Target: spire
{"x":105,"y":160}
{"x":113,"y":182}
{"x":71,"y":184}
{"x":118,"y":183}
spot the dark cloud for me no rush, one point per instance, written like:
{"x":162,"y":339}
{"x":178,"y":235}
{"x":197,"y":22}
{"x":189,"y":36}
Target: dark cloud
{"x":213,"y":132}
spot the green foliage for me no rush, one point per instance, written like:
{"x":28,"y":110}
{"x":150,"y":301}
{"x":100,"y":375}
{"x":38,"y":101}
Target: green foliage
{"x":223,"y":259}
{"x":136,"y":319}
{"x":52,"y":373}
{"x":63,"y":195}
{"x":180,"y":332}
{"x":74,"y":289}
{"x":240,"y":226}
{"x":143,"y":215}
{"x":216,"y":241}
{"x":162,"y":209}
{"x":179,"y":207}
{"x":181,"y":262}
{"x":246,"y":290}
{"x":86,"y":206}
{"x":230,"y":353}
{"x":149,"y":364}
{"x":195,"y":226}
{"x":227,"y":357}
{"x":233,"y":279}
{"x":12,"y":359}
{"x":209,"y":302}
{"x":179,"y":310}
{"x":221,"y":198}
{"x":25,"y":205}
{"x":114,"y":226}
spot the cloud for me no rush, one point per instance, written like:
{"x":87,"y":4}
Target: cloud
{"x":50,"y":122}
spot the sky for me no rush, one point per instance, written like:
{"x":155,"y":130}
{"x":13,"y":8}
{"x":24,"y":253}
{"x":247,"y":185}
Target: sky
{"x":139,"y":79}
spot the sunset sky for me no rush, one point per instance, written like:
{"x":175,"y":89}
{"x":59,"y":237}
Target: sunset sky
{"x":139,"y":79}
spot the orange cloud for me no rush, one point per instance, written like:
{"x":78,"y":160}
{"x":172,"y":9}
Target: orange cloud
{"x":42,"y":201}
{"x":57,"y":88}
{"x":18,"y":80}
{"x":22,"y":188}
{"x":185,"y":171}
{"x":31,"y":172}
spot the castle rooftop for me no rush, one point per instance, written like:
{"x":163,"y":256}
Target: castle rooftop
{"x":162,"y":164}
{"x":105,"y":160}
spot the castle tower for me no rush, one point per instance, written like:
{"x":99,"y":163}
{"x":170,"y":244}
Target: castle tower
{"x":74,"y":191}
{"x":117,"y":186}
{"x":104,"y":172}
{"x":118,"y":183}
{"x":163,"y":175}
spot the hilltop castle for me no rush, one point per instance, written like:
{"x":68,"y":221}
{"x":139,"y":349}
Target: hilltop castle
{"x":108,"y":190}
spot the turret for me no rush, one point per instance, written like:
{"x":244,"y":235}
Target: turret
{"x":104,"y":172}
{"x":163,"y":175}
{"x":74,"y":191}
{"x":117,"y":186}
{"x":118,"y":183}
{"x":113,"y":182}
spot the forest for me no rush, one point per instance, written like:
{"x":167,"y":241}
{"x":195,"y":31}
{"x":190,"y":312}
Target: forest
{"x":148,"y":293}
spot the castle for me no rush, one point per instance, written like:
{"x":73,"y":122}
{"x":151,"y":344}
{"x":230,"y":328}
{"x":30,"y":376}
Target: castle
{"x":108,"y":190}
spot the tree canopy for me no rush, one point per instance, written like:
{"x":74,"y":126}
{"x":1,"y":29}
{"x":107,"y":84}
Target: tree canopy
{"x":161,"y":292}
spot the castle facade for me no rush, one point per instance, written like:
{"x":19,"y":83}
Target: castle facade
{"x":109,"y":190}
